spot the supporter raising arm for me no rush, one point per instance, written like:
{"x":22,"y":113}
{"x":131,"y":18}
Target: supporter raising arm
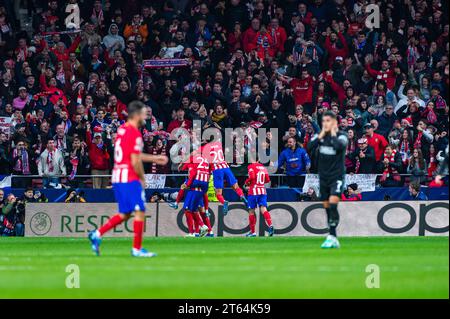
{"x":60,"y":51}
{"x":385,"y":73}
{"x":302,"y":89}
{"x":334,"y":47}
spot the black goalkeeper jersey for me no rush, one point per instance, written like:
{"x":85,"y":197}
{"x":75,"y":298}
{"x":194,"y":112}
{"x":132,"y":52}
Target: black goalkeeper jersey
{"x":329,"y":154}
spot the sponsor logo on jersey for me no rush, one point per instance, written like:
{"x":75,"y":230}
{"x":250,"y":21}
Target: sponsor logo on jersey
{"x":327,"y":150}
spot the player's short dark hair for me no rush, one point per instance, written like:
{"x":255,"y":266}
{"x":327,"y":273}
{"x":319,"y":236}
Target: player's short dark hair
{"x":135,"y":107}
{"x":330,"y":114}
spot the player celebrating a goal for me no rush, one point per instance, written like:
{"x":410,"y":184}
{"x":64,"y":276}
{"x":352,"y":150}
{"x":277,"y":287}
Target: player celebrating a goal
{"x":221,"y":172}
{"x":197,"y":187}
{"x":329,"y":149}
{"x":128,"y":180}
{"x":257,"y":196}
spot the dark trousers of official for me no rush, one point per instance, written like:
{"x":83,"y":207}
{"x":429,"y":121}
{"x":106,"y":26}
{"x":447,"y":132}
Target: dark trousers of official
{"x":295,"y":181}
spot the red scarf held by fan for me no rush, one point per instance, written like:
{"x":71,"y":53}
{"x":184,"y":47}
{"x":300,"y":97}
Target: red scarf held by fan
{"x":418,"y":141}
{"x":388,"y":170}
{"x":156,"y":151}
{"x":433,"y":164}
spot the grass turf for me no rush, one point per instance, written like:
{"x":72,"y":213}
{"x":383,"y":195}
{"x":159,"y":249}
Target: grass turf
{"x":279,"y":267}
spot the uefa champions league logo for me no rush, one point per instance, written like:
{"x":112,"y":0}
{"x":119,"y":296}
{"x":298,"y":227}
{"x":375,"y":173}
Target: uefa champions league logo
{"x":40,"y":224}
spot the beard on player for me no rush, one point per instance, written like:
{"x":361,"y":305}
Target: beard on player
{"x":142,"y":118}
{"x":137,"y":113}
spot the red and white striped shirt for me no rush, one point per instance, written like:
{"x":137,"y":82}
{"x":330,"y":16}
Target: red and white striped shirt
{"x":258,"y":177}
{"x":129,"y":141}
{"x":214,"y":153}
{"x":202,"y":176}
{"x":199,"y":170}
{"x":219,"y":166}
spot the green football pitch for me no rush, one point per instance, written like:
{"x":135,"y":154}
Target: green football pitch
{"x":279,"y":267}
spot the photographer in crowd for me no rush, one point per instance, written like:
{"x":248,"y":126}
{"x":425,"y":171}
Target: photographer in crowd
{"x":13,"y":209}
{"x":29,"y":196}
{"x":72,"y":196}
{"x":415,"y":192}
{"x":352,"y":193}
{"x":9,"y":216}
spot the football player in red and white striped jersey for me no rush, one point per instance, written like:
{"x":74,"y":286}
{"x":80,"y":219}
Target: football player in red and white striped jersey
{"x":196,"y":201}
{"x":221,"y":171}
{"x":128,"y":180}
{"x":258,"y":177}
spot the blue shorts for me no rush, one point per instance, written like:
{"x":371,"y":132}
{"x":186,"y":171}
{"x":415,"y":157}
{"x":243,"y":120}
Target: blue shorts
{"x":130,"y":197}
{"x":223,"y":174}
{"x":199,"y":184}
{"x":257,"y":200}
{"x":193,"y":201}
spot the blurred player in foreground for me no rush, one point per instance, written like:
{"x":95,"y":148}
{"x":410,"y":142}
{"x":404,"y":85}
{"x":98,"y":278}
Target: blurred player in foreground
{"x":329,"y":148}
{"x":258,"y":176}
{"x":128,"y":180}
{"x":442,"y":169}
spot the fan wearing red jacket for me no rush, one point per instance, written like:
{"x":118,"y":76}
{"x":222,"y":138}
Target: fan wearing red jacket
{"x":60,"y":51}
{"x":302,"y":88}
{"x":278,"y":35}
{"x":257,"y":196}
{"x":334,"y":50}
{"x":386,"y":73}
{"x":377,"y":141}
{"x":51,"y":89}
{"x":265,"y":44}
{"x":249,"y":36}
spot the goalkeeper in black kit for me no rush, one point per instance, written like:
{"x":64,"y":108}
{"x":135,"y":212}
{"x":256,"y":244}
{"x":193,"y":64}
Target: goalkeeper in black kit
{"x":328,"y":150}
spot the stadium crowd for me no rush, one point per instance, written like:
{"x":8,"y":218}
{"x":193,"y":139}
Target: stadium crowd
{"x":250,"y":64}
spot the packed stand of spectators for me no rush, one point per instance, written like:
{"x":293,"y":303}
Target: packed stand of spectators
{"x":251,"y":64}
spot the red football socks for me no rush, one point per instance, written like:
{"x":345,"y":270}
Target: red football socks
{"x":189,"y":221}
{"x":206,"y":201}
{"x":206,"y":220}
{"x":180,"y":196}
{"x":196,"y":225}
{"x":110,"y":224}
{"x":138,"y":226}
{"x":198,"y":219}
{"x":239,"y":192}
{"x":268,"y":218}
{"x":252,"y":222}
{"x":220,"y":198}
